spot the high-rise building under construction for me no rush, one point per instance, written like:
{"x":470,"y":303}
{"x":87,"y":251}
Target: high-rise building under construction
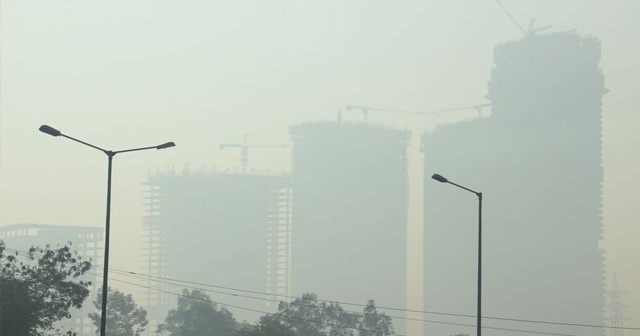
{"x":229,"y":233}
{"x":350,"y":212}
{"x":538,"y":161}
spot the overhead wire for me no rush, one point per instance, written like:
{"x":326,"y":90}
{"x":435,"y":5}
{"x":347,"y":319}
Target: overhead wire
{"x":355,"y":328}
{"x":177,"y":282}
{"x":379,"y":307}
{"x":260,"y":311}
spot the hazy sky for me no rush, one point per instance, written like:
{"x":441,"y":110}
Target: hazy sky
{"x":123,"y":74}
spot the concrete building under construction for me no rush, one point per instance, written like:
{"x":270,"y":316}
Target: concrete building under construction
{"x":86,"y":241}
{"x":350,"y":212}
{"x":225,"y":230}
{"x":538,"y":161}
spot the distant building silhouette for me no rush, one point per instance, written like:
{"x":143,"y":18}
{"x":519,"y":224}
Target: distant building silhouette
{"x":350,"y":212}
{"x":208,"y":228}
{"x":538,"y":161}
{"x":87,"y":241}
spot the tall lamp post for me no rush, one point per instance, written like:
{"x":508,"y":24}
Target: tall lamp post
{"x":442,"y":179}
{"x":110,"y":154}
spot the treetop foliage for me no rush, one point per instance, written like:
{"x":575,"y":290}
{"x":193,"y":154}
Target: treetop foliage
{"x":40,"y":287}
{"x":197,"y":315}
{"x":124,"y":317}
{"x":307,"y":316}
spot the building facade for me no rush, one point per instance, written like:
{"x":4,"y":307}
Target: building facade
{"x":350,"y":212}
{"x":538,"y":161}
{"x":227,"y":233}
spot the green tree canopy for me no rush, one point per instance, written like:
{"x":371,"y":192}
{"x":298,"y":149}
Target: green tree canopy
{"x":307,"y":316}
{"x":124,"y":317}
{"x":269,"y":325}
{"x":197,"y":315}
{"x":373,"y":323}
{"x":39,"y":288}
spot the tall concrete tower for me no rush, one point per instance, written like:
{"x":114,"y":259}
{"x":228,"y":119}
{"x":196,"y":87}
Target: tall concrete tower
{"x":538,"y":161}
{"x":350,"y":212}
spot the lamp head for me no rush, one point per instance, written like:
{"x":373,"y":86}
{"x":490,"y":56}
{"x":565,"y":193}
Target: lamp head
{"x":49,"y":130}
{"x":439,"y":178}
{"x":166,"y":145}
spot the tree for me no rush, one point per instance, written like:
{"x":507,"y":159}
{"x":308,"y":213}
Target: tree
{"x":124,"y":317}
{"x":269,"y":325}
{"x":309,"y":317}
{"x":39,"y":287}
{"x":197,"y":315}
{"x":373,"y":323}
{"x":305,"y":315}
{"x":312,"y":318}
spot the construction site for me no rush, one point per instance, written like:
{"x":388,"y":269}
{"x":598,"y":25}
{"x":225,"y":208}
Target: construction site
{"x":338,"y":224}
{"x":210,"y":227}
{"x":328,"y":228}
{"x":538,"y":160}
{"x":478,"y":176}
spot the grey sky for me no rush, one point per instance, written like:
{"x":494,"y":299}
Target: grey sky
{"x":124,"y":74}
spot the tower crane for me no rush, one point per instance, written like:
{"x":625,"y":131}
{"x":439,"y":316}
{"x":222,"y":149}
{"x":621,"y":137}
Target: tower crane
{"x":364,"y":109}
{"x":513,"y":20}
{"x":530,"y":29}
{"x":244,"y":150}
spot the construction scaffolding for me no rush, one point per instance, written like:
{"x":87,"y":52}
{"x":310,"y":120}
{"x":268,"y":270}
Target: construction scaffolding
{"x":209,"y":228}
{"x":615,"y":305}
{"x":279,"y":239}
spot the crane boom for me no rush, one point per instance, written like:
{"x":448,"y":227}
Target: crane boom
{"x":224,"y":145}
{"x":244,"y":154}
{"x":365,"y":110}
{"x":511,"y":17}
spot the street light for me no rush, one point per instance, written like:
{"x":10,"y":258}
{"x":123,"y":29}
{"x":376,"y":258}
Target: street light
{"x":442,"y":179}
{"x":110,"y":154}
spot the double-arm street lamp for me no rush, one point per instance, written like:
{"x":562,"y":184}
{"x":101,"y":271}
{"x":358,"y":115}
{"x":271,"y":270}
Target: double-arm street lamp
{"x":442,"y":179}
{"x":110,"y":154}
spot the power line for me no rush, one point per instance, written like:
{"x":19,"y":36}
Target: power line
{"x":128,"y":273}
{"x":355,"y":328}
{"x":259,"y":311}
{"x":178,"y":282}
{"x":379,"y":307}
